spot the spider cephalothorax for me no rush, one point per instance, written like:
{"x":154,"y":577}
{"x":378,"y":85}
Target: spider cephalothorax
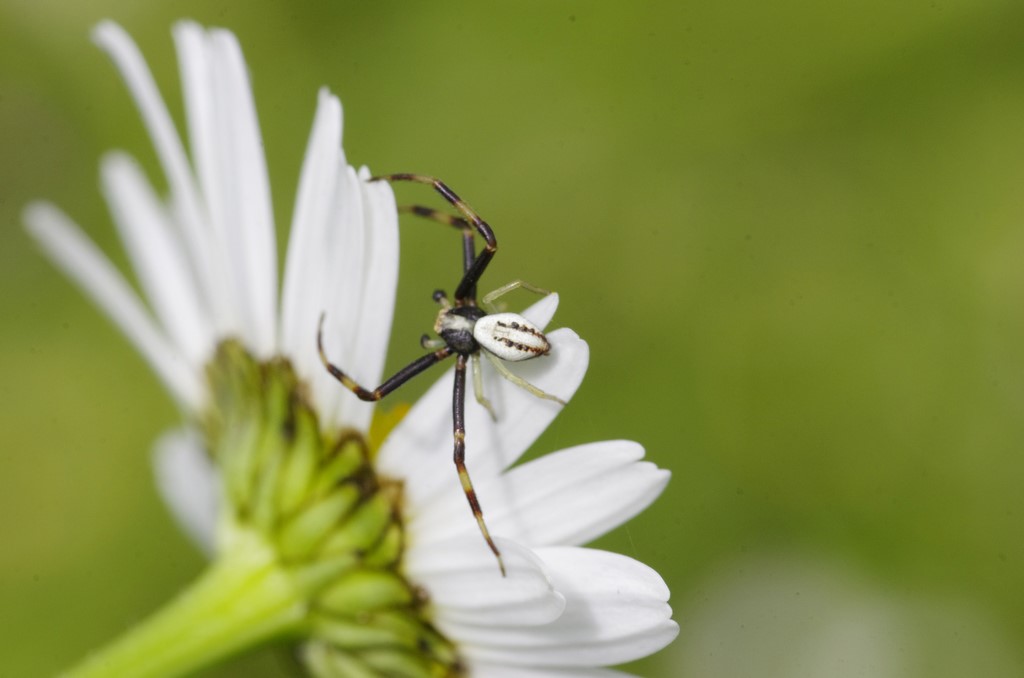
{"x":456,"y":326}
{"x":465,"y":331}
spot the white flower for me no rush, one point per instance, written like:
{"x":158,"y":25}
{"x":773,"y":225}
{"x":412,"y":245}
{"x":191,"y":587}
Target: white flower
{"x":205,"y":258}
{"x":206,"y":255}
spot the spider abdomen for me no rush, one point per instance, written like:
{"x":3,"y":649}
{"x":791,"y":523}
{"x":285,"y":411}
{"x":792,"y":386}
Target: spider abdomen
{"x":510,"y":337}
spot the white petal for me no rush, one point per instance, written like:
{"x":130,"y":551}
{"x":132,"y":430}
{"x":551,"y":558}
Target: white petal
{"x":466,"y":586}
{"x":522,"y":417}
{"x":564,"y":498}
{"x":490,"y":670}
{"x":417,"y":446}
{"x":187,"y":208}
{"x":342,"y":262}
{"x":205,"y":230}
{"x":376,"y":292}
{"x":303,"y":295}
{"x":83,"y":262}
{"x":157,"y":256}
{"x":251,"y":194}
{"x":346,"y":237}
{"x":542,"y":311}
{"x":232,"y":170}
{"x":615,"y":612}
{"x":188,"y":483}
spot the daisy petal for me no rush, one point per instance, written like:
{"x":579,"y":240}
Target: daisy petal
{"x":542,"y":311}
{"x":334,"y":236}
{"x":304,"y":287}
{"x":83,"y":262}
{"x":504,"y":671}
{"x":359,"y":295}
{"x":188,"y":483}
{"x":186,"y":204}
{"x":156,"y":255}
{"x":470,"y":589}
{"x":251,"y":195}
{"x":615,"y":612}
{"x":232,"y":172}
{"x":197,"y":75}
{"x":344,"y":275}
{"x":522,"y":416}
{"x":377,"y":291}
{"x":590,"y":488}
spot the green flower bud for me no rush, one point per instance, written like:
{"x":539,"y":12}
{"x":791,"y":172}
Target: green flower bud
{"x":309,"y":547}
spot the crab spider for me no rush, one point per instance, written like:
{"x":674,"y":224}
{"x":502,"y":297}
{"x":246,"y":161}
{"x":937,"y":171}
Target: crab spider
{"x":465,"y":331}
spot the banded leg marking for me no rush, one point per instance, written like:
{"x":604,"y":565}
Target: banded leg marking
{"x":468,"y":246}
{"x":464,"y":292}
{"x":403,"y":375}
{"x":458,"y":419}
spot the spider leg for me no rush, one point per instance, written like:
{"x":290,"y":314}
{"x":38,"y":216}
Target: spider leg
{"x":488,"y":300}
{"x":431,"y":344}
{"x":441,"y":299}
{"x":403,"y":375}
{"x":465,"y":291}
{"x":459,"y":426}
{"x":468,"y":246}
{"x":478,"y":387}
{"x":519,"y":381}
{"x":436,"y":215}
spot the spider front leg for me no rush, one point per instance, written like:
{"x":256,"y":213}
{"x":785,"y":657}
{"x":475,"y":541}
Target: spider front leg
{"x":465,"y":292}
{"x":488,"y":300}
{"x":468,"y":246}
{"x":403,"y":375}
{"x":459,"y":426}
{"x":431,"y":344}
{"x":434,"y":214}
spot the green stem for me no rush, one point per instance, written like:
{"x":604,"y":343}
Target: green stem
{"x":244,"y":598}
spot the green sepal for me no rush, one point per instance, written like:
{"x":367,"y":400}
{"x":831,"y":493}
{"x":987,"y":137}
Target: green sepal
{"x":365,"y":590}
{"x":388,"y":550}
{"x":325,"y":661}
{"x":304,"y":533}
{"x":396,"y":662}
{"x":365,"y":527}
{"x":300,"y":464}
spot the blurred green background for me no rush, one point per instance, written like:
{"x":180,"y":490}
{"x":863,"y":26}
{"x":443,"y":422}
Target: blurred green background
{"x":792,"y":233}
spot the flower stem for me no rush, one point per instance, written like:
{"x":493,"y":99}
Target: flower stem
{"x":245,"y":597}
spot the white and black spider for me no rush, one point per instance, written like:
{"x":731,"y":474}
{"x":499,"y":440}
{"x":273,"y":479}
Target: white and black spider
{"x":465,"y":331}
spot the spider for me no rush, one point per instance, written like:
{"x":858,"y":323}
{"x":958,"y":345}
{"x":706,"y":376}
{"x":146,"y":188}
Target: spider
{"x":465,"y":331}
